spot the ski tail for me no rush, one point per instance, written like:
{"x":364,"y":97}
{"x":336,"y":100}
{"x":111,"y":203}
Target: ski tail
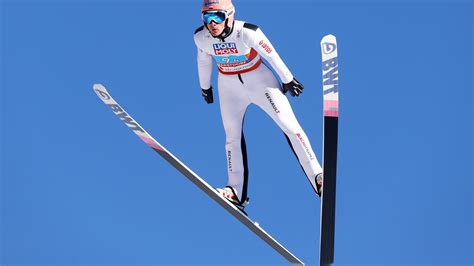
{"x":331,"y":115}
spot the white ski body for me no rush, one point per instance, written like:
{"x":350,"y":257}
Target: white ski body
{"x":330,"y":76}
{"x":192,"y":176}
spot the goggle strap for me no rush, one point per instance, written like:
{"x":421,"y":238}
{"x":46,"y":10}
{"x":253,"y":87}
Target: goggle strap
{"x":230,"y":12}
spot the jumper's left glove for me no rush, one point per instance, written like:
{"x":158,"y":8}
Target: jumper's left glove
{"x":294,"y":87}
{"x":207,"y":94}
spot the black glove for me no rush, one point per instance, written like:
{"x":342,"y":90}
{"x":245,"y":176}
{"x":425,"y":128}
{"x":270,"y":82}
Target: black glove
{"x":294,"y":87}
{"x":207,"y":94}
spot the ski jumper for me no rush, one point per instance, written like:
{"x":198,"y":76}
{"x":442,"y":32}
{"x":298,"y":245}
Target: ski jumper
{"x":243,"y":80}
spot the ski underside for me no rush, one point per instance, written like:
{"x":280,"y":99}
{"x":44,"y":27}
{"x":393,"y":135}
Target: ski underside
{"x":192,"y":176}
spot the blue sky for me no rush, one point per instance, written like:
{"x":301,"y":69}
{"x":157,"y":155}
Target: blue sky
{"x":78,"y":187}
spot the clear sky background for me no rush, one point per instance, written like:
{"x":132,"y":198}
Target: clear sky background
{"x":78,"y":187}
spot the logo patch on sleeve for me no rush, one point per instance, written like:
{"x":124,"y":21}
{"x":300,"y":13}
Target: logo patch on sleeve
{"x":265,"y":46}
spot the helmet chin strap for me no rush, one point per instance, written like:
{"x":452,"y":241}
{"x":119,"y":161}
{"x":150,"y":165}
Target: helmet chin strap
{"x":226,"y":32}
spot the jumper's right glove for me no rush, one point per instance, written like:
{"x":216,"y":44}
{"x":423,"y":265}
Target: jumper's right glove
{"x":294,"y":87}
{"x":207,"y":94}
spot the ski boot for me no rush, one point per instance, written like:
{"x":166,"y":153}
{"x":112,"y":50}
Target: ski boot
{"x":230,"y":194}
{"x":318,"y":179}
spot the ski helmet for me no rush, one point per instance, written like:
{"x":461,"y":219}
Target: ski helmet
{"x":214,"y":5}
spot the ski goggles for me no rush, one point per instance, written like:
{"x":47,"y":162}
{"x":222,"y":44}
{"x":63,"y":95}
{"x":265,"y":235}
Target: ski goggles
{"x":216,"y":16}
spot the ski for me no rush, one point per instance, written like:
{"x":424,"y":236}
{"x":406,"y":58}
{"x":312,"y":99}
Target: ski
{"x":331,"y":114}
{"x":192,"y":176}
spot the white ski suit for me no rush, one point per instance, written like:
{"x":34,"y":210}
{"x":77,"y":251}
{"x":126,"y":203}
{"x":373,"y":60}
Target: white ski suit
{"x":244,"y":80}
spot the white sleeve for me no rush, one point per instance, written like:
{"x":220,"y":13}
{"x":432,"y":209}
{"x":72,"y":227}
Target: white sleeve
{"x":204,"y":62}
{"x":258,"y":41}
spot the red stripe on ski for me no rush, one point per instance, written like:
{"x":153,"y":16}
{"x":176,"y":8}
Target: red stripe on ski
{"x":331,"y":108}
{"x":151,"y":143}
